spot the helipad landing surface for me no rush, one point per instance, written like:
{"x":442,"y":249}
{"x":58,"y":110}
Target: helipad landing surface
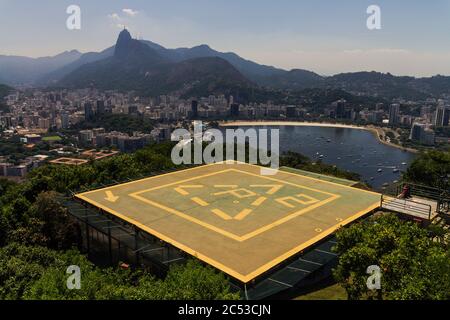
{"x":234,"y":218}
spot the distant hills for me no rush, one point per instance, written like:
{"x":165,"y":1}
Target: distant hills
{"x":4,"y":91}
{"x":388,"y":86}
{"x":23,"y":70}
{"x":260,"y":75}
{"x":152,"y":69}
{"x":135,"y":65}
{"x":251,"y":70}
{"x":52,"y":77}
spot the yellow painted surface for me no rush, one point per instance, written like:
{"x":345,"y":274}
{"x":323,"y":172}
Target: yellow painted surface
{"x":234,"y":218}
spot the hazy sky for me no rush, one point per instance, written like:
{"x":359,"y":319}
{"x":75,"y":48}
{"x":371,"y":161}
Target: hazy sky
{"x":325,"y":36}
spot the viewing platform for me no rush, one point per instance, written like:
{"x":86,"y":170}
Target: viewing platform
{"x":424,"y":204}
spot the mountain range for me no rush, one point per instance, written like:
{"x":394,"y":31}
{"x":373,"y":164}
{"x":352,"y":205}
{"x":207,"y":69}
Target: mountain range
{"x":4,"y":91}
{"x":137,"y":66}
{"x":23,"y":70}
{"x":152,"y":69}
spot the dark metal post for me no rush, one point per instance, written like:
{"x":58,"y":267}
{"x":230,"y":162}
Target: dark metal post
{"x":136,"y":235}
{"x":110,"y":244}
{"x":87,"y":232}
{"x":119,"y":255}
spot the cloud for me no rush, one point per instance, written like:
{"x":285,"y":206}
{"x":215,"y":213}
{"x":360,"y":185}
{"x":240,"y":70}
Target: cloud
{"x":377,"y":51}
{"x":353,"y":51}
{"x":119,"y":20}
{"x":114,"y":16}
{"x":130,"y":12}
{"x":116,"y":21}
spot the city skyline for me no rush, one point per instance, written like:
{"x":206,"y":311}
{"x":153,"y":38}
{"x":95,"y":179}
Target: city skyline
{"x":319,"y":36}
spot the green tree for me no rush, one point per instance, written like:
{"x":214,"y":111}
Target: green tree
{"x":412,"y":265}
{"x":195,"y":282}
{"x":39,"y":273}
{"x":96,"y":283}
{"x":118,"y":122}
{"x":21,"y":267}
{"x":431,"y":168}
{"x":43,"y":222}
{"x":59,"y":230}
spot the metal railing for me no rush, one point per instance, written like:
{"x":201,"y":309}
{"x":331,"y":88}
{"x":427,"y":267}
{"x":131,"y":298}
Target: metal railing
{"x":442,"y":197}
{"x":409,"y":207}
{"x":444,"y":206}
{"x":421,"y":191}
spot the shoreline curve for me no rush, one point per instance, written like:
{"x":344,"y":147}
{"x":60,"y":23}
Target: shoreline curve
{"x":375,"y":130}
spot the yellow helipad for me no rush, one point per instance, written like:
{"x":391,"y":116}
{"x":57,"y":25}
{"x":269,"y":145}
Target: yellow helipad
{"x":232,"y":217}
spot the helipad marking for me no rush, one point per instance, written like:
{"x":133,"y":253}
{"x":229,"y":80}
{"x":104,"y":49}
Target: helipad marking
{"x":284,"y":200}
{"x":200,"y":201}
{"x":183,"y":192}
{"x":226,"y":186}
{"x":238,"y":193}
{"x":225,"y":216}
{"x":273,"y":188}
{"x":111,"y":197}
{"x":221,"y":214}
{"x":244,"y":213}
{"x":259,"y":201}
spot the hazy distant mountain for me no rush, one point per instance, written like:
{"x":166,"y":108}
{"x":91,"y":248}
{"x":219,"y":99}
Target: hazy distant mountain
{"x":248,"y":68}
{"x":435,"y":85}
{"x":259,"y":74}
{"x":4,"y":91}
{"x":93,"y":68}
{"x":134,"y":52}
{"x":389,"y":86}
{"x":296,"y":79}
{"x":131,"y":62}
{"x":138,"y":66}
{"x":19,"y":70}
{"x":50,"y":78}
{"x":370,"y":83}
